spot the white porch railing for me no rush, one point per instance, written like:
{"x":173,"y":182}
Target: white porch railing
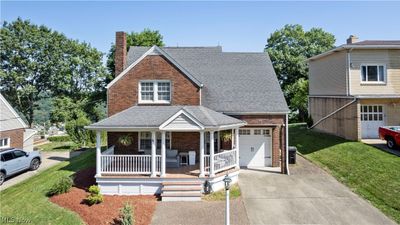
{"x":224,"y":160}
{"x":207,"y":164}
{"x":128,"y":164}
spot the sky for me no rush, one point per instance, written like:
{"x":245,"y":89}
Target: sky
{"x":236,"y":26}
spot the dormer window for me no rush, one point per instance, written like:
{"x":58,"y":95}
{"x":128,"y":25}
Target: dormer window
{"x":373,"y":73}
{"x":155,"y":91}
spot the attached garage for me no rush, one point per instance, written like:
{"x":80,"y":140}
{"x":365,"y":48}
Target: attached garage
{"x":255,"y":147}
{"x":372,"y":117}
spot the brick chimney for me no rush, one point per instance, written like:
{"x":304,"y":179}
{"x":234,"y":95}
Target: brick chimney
{"x":352,"y":39}
{"x":120,"y":52}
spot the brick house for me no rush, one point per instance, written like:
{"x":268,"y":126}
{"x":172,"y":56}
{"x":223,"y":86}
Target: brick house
{"x":14,"y":132}
{"x":191,"y":114}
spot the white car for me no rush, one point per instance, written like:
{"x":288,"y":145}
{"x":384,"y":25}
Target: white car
{"x":13,"y":160}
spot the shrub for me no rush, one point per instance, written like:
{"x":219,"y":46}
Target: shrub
{"x":94,"y":197}
{"x":64,"y":138}
{"x":127,"y":216}
{"x":77,"y":132}
{"x":63,"y":185}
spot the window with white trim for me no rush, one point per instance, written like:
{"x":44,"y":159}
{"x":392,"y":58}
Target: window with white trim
{"x":244,"y":132}
{"x":373,"y":73}
{"x":155,"y":92}
{"x":145,"y":140}
{"x":5,"y":142}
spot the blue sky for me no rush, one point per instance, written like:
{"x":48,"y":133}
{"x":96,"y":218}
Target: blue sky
{"x":237,"y":26}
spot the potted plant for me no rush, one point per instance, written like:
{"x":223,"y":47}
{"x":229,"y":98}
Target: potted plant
{"x":125,"y":140}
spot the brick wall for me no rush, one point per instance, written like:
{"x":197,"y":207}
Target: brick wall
{"x":124,"y":93}
{"x":113,"y":137}
{"x":120,"y":52}
{"x":16,"y":136}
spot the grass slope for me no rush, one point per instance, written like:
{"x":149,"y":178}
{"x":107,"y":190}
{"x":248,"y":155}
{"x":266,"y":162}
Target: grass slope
{"x":28,"y":201}
{"x":369,"y":172}
{"x":58,"y":146}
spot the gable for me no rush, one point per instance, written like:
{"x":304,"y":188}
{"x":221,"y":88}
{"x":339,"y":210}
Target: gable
{"x":182,"y":122}
{"x":10,"y":120}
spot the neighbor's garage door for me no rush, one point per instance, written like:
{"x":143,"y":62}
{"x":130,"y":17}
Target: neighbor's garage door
{"x":372,"y":117}
{"x":255,"y":147}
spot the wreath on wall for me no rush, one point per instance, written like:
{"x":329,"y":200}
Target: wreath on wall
{"x":125,"y":140}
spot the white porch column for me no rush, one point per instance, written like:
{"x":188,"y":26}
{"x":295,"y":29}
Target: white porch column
{"x":201,"y":153}
{"x":212,"y":173}
{"x":98,"y":153}
{"x":153,"y":153}
{"x":237,"y":147}
{"x":163,"y":154}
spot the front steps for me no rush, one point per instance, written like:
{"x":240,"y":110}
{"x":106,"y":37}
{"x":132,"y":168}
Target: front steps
{"x":173,"y":191}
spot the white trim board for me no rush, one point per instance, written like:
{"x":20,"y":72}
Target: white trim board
{"x":155,"y":50}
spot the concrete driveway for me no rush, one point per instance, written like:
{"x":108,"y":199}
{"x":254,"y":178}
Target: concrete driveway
{"x":49,"y":159}
{"x":381,"y":144}
{"x":308,"y":196}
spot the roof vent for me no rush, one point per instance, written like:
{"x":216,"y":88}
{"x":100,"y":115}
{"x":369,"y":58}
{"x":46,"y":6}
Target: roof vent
{"x":352,"y":39}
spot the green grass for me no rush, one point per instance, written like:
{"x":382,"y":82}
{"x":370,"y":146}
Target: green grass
{"x":57,"y":146}
{"x":369,"y":172}
{"x":220,"y":195}
{"x":28,"y":201}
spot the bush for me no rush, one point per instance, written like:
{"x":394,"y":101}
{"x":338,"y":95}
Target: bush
{"x":127,"y":216}
{"x":94,"y":197}
{"x":77,"y":132}
{"x":63,"y":185}
{"x":64,"y":138}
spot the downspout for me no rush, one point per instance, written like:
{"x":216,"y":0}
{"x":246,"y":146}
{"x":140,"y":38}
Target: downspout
{"x":287,"y":144}
{"x":348,"y":72}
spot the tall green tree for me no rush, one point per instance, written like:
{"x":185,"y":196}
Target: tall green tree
{"x":145,"y":38}
{"x":36,"y":60}
{"x":289,"y":48}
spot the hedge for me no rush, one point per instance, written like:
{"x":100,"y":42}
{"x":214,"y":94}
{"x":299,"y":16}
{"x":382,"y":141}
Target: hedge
{"x":64,"y":138}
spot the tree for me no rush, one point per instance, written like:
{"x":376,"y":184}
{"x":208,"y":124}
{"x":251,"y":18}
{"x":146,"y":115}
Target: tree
{"x":289,"y":48}
{"x":145,"y":38}
{"x":299,"y":100}
{"x":36,"y":60}
{"x":76,"y":130}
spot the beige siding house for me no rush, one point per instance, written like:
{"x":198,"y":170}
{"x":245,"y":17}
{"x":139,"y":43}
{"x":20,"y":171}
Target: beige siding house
{"x":355,"y":88}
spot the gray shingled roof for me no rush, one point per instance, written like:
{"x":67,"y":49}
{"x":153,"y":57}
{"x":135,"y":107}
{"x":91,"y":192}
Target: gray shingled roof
{"x":154,"y":116}
{"x":233,"y":82}
{"x":378,"y":42}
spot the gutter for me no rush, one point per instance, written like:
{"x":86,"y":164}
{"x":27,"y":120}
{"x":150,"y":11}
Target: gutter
{"x":332,"y":113}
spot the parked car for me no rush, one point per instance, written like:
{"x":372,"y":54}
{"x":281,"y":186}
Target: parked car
{"x":391,"y":134}
{"x":13,"y":160}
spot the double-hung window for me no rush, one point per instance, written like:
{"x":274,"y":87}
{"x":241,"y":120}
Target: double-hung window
{"x":145,"y":140}
{"x":154,"y":92}
{"x":4,"y":142}
{"x":373,"y":73}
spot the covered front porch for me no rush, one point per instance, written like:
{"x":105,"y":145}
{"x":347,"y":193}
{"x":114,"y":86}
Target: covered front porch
{"x":189,"y":142}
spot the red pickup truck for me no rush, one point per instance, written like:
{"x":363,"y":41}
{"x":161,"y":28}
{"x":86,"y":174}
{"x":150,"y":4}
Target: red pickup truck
{"x":391,"y":134}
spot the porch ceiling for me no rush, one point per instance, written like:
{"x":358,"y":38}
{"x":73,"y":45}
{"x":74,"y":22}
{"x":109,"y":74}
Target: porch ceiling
{"x":169,"y":118}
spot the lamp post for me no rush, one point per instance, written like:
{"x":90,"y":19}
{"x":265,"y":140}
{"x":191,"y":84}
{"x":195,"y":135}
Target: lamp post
{"x":227,"y":182}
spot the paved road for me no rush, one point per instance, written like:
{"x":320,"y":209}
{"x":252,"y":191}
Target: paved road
{"x":48,"y":159}
{"x":198,"y":213}
{"x":381,"y":144}
{"x":308,"y":196}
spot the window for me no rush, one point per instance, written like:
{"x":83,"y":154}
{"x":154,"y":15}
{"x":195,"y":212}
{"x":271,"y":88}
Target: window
{"x":7,"y":156}
{"x":4,"y":142}
{"x":244,"y":132}
{"x":373,"y":73}
{"x":266,"y":132}
{"x":257,"y":132}
{"x":371,"y":112}
{"x":19,"y":153}
{"x":145,"y":140}
{"x":155,"y":92}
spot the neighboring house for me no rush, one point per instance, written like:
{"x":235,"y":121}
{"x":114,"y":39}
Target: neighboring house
{"x":14,"y":132}
{"x":355,"y":88}
{"x":219,"y":110}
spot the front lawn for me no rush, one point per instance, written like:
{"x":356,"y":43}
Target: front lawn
{"x":220,"y":195}
{"x":57,"y":146}
{"x":369,"y":172}
{"x":27,"y":201}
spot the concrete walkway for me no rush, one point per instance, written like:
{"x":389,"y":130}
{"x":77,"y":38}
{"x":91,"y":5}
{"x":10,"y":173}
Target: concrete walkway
{"x":308,"y":196}
{"x":381,"y":144}
{"x":49,"y":159}
{"x":198,"y":213}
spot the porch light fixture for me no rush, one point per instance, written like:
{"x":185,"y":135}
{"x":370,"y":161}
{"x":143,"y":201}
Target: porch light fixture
{"x":227,"y":182}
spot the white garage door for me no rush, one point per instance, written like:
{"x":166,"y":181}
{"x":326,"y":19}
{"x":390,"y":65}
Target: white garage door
{"x":255,"y":147}
{"x":372,"y":117}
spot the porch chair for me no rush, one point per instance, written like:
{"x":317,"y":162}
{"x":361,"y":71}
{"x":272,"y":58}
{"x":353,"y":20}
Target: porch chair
{"x":172,"y":158}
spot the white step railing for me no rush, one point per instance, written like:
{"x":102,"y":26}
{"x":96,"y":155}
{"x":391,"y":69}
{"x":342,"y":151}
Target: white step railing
{"x":128,"y":164}
{"x":224,"y":160}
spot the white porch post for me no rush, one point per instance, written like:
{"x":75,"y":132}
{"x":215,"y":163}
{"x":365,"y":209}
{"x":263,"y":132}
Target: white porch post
{"x":163,"y":154}
{"x":212,"y":173}
{"x":153,"y":153}
{"x":237,"y":147}
{"x":98,"y":153}
{"x":201,"y":153}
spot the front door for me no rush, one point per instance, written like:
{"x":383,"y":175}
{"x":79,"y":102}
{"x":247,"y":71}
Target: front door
{"x":255,"y":147}
{"x":372,"y":117}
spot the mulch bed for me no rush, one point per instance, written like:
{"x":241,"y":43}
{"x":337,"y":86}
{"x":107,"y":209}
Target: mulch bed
{"x":108,"y":211}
